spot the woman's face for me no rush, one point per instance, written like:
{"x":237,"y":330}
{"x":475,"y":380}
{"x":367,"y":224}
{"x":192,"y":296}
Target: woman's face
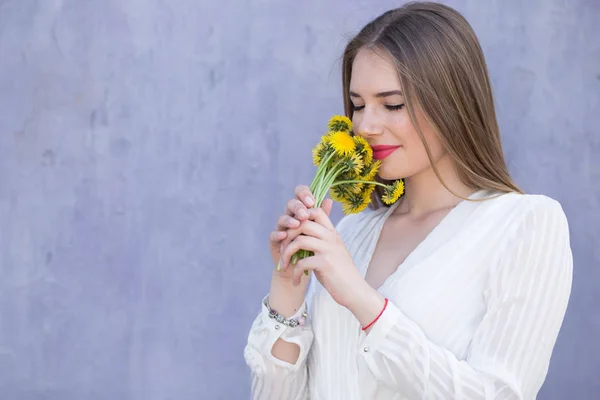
{"x":380,"y":116}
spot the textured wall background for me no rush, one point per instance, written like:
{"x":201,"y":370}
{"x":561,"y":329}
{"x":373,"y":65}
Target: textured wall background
{"x":147,"y":147}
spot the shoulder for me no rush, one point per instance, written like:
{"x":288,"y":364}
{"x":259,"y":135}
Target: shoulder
{"x":545,"y":213}
{"x":534,"y":244}
{"x":523,"y":207}
{"x":531,"y":218}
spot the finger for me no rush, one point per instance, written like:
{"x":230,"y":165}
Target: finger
{"x":305,"y":195}
{"x":277,"y":236}
{"x":286,"y":222}
{"x":308,"y":228}
{"x":306,"y":264}
{"x":319,"y":216}
{"x":327,"y":205}
{"x":301,"y":243}
{"x":296,"y":208}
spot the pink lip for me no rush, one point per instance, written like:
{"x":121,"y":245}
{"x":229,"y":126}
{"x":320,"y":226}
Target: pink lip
{"x":381,"y":152}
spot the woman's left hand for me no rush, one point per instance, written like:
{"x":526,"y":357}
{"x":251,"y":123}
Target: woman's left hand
{"x":332,"y":264}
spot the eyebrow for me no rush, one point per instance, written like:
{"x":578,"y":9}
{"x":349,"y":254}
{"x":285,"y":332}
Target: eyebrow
{"x":382,"y":94}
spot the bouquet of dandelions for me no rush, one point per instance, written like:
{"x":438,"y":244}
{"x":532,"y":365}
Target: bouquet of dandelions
{"x":346,"y":170}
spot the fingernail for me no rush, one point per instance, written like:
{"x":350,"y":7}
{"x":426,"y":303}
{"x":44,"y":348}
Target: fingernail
{"x":309,"y":201}
{"x":302,"y":214}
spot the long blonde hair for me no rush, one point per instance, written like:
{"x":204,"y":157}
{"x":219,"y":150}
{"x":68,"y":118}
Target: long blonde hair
{"x":442,"y":70}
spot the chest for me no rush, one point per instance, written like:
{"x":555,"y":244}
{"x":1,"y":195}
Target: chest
{"x":398,"y":239}
{"x":438,"y":277}
{"x":443,"y":293}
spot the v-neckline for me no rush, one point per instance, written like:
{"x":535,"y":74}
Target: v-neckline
{"x":416,"y":250}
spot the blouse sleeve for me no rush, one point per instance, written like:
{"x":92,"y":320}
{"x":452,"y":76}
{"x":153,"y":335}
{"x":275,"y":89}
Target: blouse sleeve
{"x":273,"y":378}
{"x":510,"y":353}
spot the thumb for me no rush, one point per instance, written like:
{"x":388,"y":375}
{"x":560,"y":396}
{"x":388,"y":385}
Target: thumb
{"x":326,"y":205}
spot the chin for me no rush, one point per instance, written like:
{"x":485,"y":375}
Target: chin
{"x":391,"y":174}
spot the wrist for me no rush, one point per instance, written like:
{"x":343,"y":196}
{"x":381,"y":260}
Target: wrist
{"x":367,"y":304}
{"x":285,"y":297}
{"x":286,"y":281}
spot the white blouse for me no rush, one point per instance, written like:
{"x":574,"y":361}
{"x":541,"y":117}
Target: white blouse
{"x":473,"y":313}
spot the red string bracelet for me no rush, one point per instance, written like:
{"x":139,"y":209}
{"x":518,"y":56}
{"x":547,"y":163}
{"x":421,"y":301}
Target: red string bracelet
{"x":375,"y":320}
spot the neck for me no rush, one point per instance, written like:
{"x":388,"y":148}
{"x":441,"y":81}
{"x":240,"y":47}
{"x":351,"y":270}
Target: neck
{"x":425,"y":193}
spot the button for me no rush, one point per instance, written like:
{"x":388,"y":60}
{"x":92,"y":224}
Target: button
{"x":276,"y":326}
{"x":366,"y":349}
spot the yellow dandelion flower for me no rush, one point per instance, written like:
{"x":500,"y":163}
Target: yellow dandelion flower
{"x":370,"y":170}
{"x":340,"y":123}
{"x":367,"y":192}
{"x":320,"y":151}
{"x":363,"y":148}
{"x":356,"y":202}
{"x":341,"y":142}
{"x":357,"y":187}
{"x":354,"y":165}
{"x":350,"y":185}
{"x":341,"y":192}
{"x":316,"y":154}
{"x":335,"y":194}
{"x":393,"y":192}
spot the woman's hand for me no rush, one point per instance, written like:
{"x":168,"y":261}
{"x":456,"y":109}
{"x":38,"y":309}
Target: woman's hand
{"x":296,"y":211}
{"x":332,"y":264}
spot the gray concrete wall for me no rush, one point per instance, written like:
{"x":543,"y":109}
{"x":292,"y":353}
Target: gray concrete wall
{"x":147,"y":147}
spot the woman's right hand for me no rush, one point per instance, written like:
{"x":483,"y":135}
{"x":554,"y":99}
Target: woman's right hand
{"x":283,"y":295}
{"x":295,"y":213}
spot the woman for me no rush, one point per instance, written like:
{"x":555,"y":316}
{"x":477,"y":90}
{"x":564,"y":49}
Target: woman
{"x":456,"y":291}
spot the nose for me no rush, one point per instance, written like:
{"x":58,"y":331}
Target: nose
{"x":368,"y":124}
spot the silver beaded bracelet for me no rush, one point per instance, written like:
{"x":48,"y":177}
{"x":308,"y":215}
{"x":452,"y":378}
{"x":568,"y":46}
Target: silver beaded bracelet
{"x":291,"y":322}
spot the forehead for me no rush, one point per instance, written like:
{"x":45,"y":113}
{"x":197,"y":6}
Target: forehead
{"x":373,"y":72}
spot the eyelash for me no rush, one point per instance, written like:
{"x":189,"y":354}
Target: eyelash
{"x":391,"y":108}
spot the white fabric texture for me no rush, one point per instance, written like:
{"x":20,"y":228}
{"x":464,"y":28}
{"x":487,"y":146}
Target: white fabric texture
{"x":474,"y":312}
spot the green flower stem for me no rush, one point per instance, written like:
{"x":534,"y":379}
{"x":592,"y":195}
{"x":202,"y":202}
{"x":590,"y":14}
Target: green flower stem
{"x":359,"y":181}
{"x":321,"y":171}
{"x":325,"y":184}
{"x":319,"y":187}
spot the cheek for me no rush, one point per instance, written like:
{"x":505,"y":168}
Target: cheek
{"x":407,"y":135}
{"x":402,"y":128}
{"x":435,"y":146}
{"x":433,"y":142}
{"x":412,"y":158}
{"x":414,"y":145}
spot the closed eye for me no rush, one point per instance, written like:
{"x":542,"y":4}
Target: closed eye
{"x":395,"y":107}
